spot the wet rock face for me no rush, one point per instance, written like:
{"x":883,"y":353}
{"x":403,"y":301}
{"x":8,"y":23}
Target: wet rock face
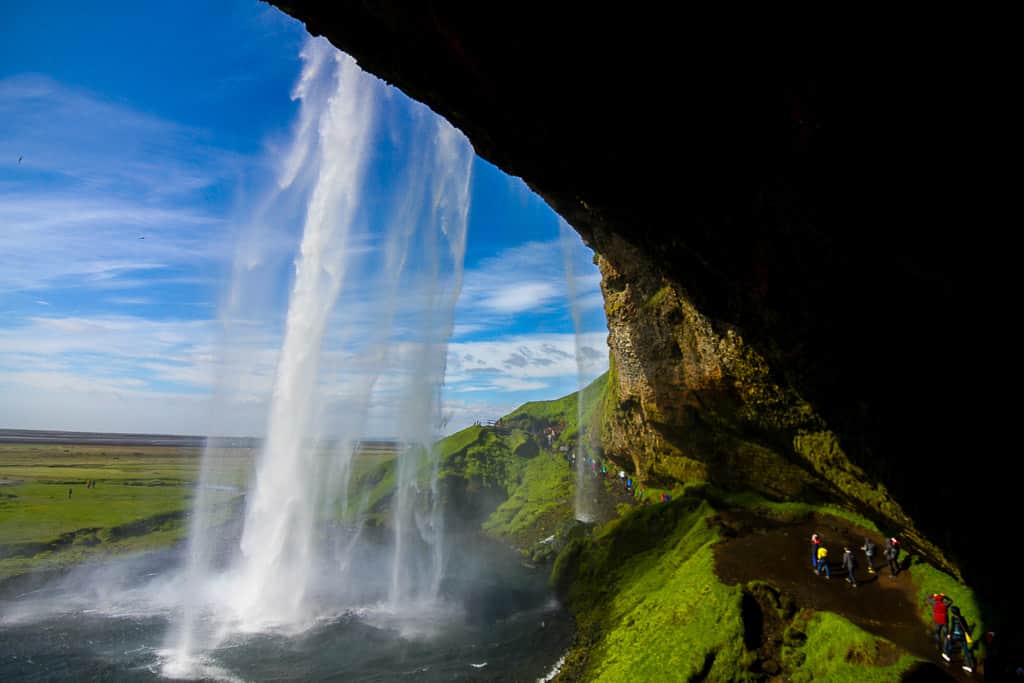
{"x":689,"y":401}
{"x":767,"y":229}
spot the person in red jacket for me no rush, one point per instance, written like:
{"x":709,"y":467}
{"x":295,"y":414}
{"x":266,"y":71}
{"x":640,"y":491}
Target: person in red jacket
{"x":815,"y":544}
{"x":940,"y":617}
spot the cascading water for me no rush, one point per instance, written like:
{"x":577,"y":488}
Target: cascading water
{"x":585,"y":485}
{"x":370,"y":312}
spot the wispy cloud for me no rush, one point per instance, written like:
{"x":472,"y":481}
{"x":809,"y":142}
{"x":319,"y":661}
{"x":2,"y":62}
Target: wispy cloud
{"x":105,"y":197}
{"x":523,"y":280}
{"x":81,"y":139}
{"x":131,"y":300}
{"x":520,"y":297}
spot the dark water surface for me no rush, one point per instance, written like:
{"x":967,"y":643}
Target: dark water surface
{"x":112,"y":623}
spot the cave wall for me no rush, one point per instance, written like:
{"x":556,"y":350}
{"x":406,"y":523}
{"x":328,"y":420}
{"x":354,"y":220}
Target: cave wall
{"x":767,"y":209}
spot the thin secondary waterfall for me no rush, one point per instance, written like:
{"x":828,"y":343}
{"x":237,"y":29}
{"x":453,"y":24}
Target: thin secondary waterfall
{"x":384,"y":186}
{"x":445,"y":203}
{"x":585,"y":486}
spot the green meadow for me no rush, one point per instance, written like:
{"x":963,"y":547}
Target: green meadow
{"x":51,"y":516}
{"x":123,"y":499}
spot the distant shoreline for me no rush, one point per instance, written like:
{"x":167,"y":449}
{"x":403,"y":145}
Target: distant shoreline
{"x":31,"y":436}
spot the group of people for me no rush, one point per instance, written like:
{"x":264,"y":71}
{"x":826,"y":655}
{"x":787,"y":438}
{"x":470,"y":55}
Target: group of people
{"x":91,"y":484}
{"x":950,"y":626}
{"x":819,"y":558}
{"x":951,"y":629}
{"x":597,"y":468}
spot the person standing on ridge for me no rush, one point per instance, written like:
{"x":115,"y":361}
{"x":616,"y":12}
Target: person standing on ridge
{"x":850,"y":565}
{"x":869,"y":554}
{"x":940,"y":616}
{"x":892,"y":555}
{"x":958,"y":632}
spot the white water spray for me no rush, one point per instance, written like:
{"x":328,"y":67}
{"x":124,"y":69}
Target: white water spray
{"x":369,"y":316}
{"x":585,"y":485}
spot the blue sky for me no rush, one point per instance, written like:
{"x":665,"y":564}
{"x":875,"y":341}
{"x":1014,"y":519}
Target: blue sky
{"x":134,"y":143}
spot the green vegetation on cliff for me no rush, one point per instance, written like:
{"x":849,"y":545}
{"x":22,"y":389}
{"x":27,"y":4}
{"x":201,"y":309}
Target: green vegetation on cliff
{"x":647,"y":602}
{"x":538,"y":502}
{"x":650,"y":604}
{"x":564,"y":415}
{"x":833,"y":649}
{"x":517,"y":459}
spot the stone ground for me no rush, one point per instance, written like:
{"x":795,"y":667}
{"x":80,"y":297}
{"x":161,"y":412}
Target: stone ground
{"x":779,"y":553}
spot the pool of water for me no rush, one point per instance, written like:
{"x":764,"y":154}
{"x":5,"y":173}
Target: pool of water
{"x":115,"y":621}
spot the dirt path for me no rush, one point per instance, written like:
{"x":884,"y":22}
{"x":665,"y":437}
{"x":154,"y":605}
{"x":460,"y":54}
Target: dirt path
{"x":780,"y":554}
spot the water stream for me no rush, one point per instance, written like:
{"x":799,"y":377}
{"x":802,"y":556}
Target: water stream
{"x":585,"y":482}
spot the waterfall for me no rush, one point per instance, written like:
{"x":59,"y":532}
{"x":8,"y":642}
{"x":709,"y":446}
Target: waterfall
{"x":585,"y":485}
{"x":383,"y":186}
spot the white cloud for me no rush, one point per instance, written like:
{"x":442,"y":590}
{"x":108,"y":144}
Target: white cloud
{"x":520,"y":297}
{"x":103,"y":146}
{"x":522,"y":357}
{"x":513,"y":384}
{"x":131,"y":300}
{"x":52,"y":242}
{"x":105,"y":197}
{"x":525,"y":280}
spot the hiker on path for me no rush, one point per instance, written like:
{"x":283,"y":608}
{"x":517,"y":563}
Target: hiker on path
{"x":892,"y":555}
{"x":869,"y":554}
{"x":850,"y":565}
{"x":815,"y":544}
{"x":823,"y":561}
{"x":940,"y":617}
{"x":958,"y":632}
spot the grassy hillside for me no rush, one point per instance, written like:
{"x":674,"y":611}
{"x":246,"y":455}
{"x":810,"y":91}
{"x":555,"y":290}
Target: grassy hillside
{"x":650,"y":604}
{"x":517,"y":459}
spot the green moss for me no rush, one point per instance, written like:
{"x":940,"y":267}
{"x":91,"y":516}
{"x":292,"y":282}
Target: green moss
{"x":837,"y":650}
{"x":824,"y":452}
{"x":458,"y":441}
{"x":647,"y":601}
{"x":564,"y":413}
{"x":649,"y":606}
{"x":793,"y":511}
{"x":537,"y":503}
{"x":493,"y":459}
{"x":377,"y":486}
{"x":930,"y":580}
{"x":656,"y":300}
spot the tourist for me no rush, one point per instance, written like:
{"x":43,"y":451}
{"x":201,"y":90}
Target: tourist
{"x":815,"y":544}
{"x":850,"y":565}
{"x":892,"y":555}
{"x":958,"y":632}
{"x":940,"y":616}
{"x":823,"y":561}
{"x":869,"y":554}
